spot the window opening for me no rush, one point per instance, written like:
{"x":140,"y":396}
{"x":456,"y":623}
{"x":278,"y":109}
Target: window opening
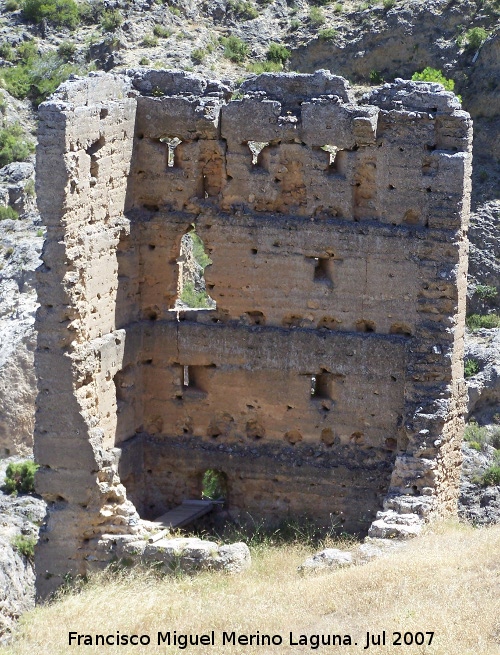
{"x":256,"y":147}
{"x":192,"y":262}
{"x":94,"y":159}
{"x":172,"y":143}
{"x":195,"y":379}
{"x":323,"y":269}
{"x":214,"y":485}
{"x":321,"y":385}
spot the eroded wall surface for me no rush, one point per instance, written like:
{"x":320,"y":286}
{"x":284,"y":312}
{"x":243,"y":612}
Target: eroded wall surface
{"x":327,"y":381}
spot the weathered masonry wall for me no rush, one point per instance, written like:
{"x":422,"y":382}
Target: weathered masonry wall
{"x":327,"y":382}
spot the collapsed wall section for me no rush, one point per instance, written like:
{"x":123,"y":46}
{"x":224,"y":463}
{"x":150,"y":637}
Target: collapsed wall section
{"x":329,"y":376}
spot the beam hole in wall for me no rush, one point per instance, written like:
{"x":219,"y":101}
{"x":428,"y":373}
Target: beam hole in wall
{"x":292,"y":321}
{"x":400,"y":328}
{"x":214,"y":485}
{"x":192,"y":262}
{"x":411,"y":217}
{"x":256,"y":318}
{"x":365,"y":326}
{"x":329,"y":323}
{"x":357,"y":438}
{"x":172,"y":156}
{"x":256,"y":147}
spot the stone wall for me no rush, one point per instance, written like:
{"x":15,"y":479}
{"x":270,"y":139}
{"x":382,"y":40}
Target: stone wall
{"x":328,"y":380}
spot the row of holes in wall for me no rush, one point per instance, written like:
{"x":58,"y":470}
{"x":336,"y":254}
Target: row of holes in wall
{"x":323,"y":273}
{"x":335,"y":163}
{"x":321,"y":383}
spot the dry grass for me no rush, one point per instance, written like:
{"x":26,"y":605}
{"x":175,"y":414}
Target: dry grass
{"x":447,"y":582}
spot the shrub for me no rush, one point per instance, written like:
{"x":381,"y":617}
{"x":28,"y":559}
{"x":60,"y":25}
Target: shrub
{"x":193,"y":298}
{"x":494,"y":440}
{"x":294,"y":24}
{"x":278,"y":53}
{"x":7,"y":213}
{"x":199,"y":251}
{"x":259,"y":67}
{"x":491,"y":477}
{"x":111,"y":20}
{"x":29,"y":188}
{"x":20,"y":477}
{"x":235,"y":49}
{"x":433,"y":75}
{"x":475,"y":37}
{"x":242,"y":9}
{"x":66,"y":50}
{"x":477,"y":321}
{"x":198,"y":55}
{"x":91,"y":12}
{"x":143,"y":61}
{"x":25,"y":546}
{"x":162,"y":32}
{"x":316,"y":16}
{"x":150,"y":41}
{"x":388,"y":4}
{"x":328,"y":35}
{"x":14,"y":146}
{"x":7,"y":52}
{"x":471,"y":367}
{"x":62,"y":13}
{"x":38,"y":77}
{"x":475,"y":436}
{"x":11,"y":5}
{"x":376,"y":77}
{"x":27,"y":50}
{"x":485,"y":291}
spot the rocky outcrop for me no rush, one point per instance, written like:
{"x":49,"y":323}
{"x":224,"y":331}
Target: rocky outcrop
{"x":484,"y":255}
{"x":478,"y":504}
{"x":483,"y":388}
{"x":19,"y":521}
{"x":20,"y":246}
{"x":176,"y":553}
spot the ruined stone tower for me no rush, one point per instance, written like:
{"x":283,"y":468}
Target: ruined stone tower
{"x":328,"y":380}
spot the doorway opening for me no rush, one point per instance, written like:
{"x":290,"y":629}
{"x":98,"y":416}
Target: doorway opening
{"x":214,"y":485}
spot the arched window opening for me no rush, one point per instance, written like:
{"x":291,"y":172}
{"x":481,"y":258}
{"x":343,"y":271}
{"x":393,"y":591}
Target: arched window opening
{"x":192,"y":262}
{"x":214,"y":485}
